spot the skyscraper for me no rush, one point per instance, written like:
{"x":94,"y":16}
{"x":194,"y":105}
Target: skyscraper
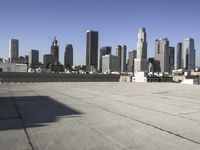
{"x":121,"y":53}
{"x":55,"y":49}
{"x":92,"y":49}
{"x":103,"y":51}
{"x":171,"y":58}
{"x":131,"y":57}
{"x":110,"y":63}
{"x":162,"y":54}
{"x":48,"y":60}
{"x":141,"y":63}
{"x":179,"y":56}
{"x":188,"y":54}
{"x":33,"y":58}
{"x":68,"y":58}
{"x":13,"y":49}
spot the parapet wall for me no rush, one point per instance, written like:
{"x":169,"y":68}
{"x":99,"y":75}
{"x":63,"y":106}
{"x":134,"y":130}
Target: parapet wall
{"x":50,"y":77}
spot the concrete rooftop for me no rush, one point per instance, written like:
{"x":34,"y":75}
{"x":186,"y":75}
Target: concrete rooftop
{"x":99,"y":116}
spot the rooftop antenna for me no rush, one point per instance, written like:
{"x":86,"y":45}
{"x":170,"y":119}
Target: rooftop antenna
{"x":58,"y":34}
{"x":54,"y":37}
{"x":50,"y":39}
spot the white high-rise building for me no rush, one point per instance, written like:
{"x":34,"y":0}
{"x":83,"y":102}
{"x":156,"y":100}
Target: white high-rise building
{"x":13,"y":49}
{"x":188,"y":54}
{"x":141,"y":63}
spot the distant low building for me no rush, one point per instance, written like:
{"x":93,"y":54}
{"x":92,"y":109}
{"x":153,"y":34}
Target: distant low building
{"x":20,"y":60}
{"x":153,"y":65}
{"x":195,"y":73}
{"x":125,"y":79}
{"x":13,"y":67}
{"x":139,"y":77}
{"x":26,"y":59}
{"x":48,"y":60}
{"x":57,"y":67}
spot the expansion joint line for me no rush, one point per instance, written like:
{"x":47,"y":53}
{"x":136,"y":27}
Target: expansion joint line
{"x":142,"y":122}
{"x":131,"y":118}
{"x":21,"y":118}
{"x":148,"y":124}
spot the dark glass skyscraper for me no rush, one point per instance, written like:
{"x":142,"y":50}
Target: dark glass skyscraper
{"x":179,"y":56}
{"x":13,"y":49}
{"x":121,"y":53}
{"x":92,"y":49}
{"x":103,"y":51}
{"x":171,"y":58}
{"x":33,"y":58}
{"x":55,"y":49}
{"x":68,"y":57}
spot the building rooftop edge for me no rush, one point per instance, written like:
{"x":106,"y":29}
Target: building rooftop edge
{"x":91,"y":31}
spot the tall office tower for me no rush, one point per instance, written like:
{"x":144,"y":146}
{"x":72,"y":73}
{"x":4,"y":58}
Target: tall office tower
{"x":55,"y":49}
{"x":13,"y":49}
{"x":171,"y":58}
{"x":121,"y":53}
{"x":110,"y":63}
{"x":188,"y":54}
{"x":33,"y":58}
{"x":131,"y":57}
{"x":162,"y":54}
{"x":141,"y":63}
{"x":68,"y":58}
{"x":92,"y":49}
{"x":179,"y":56}
{"x":103,"y":51}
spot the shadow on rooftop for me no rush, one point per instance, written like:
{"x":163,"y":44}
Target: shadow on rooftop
{"x":32,"y":111}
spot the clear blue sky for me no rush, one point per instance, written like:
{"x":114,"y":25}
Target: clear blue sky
{"x":118,"y":21}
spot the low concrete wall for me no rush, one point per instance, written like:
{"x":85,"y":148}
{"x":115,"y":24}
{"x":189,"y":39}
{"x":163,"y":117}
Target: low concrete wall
{"x":160,"y":79}
{"x":48,"y":77}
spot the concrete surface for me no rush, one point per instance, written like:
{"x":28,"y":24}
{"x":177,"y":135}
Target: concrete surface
{"x":99,"y":116}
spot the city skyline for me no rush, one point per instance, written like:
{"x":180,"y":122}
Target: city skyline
{"x":34,"y":27}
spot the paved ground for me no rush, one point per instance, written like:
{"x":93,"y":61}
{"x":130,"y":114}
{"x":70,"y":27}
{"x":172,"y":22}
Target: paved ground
{"x":98,"y":116}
